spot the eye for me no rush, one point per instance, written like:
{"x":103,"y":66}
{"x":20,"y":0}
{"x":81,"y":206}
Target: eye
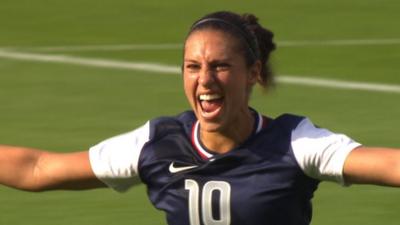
{"x":222,"y":66}
{"x":192,"y":67}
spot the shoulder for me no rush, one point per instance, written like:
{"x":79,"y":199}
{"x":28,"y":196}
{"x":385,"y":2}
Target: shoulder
{"x":289,"y":118}
{"x":169,"y":124}
{"x":115,"y":161}
{"x":286,"y":123}
{"x":320,"y":152}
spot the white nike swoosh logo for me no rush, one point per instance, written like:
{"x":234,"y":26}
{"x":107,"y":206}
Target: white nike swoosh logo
{"x":174,"y":169}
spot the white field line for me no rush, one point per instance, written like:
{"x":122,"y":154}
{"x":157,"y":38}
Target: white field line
{"x":105,"y":63}
{"x":176,"y":46}
{"x":120,"y":47}
{"x":339,"y":84}
{"x":161,"y":68}
{"x":340,"y":42}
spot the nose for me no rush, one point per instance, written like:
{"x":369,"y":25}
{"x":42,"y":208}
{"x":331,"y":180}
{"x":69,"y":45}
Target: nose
{"x":206,"y":77}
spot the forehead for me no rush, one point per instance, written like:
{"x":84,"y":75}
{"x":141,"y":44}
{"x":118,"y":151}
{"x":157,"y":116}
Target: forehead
{"x":210,"y":44}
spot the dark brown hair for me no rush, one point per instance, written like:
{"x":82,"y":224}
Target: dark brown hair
{"x":255,"y":41}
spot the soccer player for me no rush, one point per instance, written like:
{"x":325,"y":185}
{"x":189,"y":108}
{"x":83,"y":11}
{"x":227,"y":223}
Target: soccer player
{"x":222,"y":162}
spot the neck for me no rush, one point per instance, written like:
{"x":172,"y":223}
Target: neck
{"x":231,"y":136}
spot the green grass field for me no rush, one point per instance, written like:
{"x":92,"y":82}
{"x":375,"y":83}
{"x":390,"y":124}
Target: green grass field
{"x":68,"y":107}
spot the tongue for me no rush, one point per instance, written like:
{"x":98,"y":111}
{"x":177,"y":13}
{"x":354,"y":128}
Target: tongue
{"x":212,"y":105}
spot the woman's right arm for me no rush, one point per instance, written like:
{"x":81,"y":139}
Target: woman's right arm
{"x":36,"y":170}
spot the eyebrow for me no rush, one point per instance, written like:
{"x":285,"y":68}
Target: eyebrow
{"x":190,"y":60}
{"x":225,"y":60}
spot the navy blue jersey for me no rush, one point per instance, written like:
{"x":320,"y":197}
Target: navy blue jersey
{"x":263,"y":181}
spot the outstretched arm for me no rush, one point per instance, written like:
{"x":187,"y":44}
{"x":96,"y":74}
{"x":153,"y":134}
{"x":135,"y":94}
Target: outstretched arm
{"x":36,"y":170}
{"x":380,"y":166}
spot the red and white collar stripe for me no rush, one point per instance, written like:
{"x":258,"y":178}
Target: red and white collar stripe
{"x":206,"y":154}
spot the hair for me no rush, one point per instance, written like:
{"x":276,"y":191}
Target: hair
{"x":256,"y":42}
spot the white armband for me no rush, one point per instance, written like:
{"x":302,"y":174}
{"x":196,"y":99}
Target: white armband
{"x":115,"y":160}
{"x":320,"y":153}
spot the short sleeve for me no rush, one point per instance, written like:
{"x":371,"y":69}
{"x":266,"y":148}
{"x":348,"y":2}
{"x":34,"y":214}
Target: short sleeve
{"x":115,"y":160}
{"x":321,"y":153}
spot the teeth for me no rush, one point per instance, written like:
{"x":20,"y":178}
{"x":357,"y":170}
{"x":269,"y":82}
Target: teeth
{"x":208,"y":97}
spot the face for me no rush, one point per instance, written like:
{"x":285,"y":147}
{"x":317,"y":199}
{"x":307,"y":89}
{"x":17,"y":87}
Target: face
{"x":217,"y":81}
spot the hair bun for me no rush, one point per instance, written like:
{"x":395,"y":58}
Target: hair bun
{"x":266,"y":45}
{"x":250,"y":19}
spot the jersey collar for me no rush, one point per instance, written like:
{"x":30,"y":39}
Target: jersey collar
{"x":204,"y":152}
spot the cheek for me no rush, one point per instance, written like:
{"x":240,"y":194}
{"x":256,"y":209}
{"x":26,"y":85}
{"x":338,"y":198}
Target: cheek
{"x":239,"y":90}
{"x":189,"y":85}
{"x":236,"y":83}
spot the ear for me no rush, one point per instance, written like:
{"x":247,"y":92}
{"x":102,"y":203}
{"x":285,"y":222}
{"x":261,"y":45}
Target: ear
{"x":254,"y":73}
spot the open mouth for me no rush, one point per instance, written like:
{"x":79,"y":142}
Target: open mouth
{"x":210,"y":104}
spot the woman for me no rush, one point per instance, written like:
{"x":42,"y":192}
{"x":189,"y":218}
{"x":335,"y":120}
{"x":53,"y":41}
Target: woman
{"x":223,"y":162}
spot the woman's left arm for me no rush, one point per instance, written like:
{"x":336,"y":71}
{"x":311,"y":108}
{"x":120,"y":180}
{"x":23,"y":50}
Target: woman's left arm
{"x":373,"y":165}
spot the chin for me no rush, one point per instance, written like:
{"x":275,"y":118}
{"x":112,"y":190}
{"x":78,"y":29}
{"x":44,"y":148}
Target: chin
{"x":210,"y":126}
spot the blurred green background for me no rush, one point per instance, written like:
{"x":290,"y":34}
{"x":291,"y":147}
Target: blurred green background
{"x":68,"y":107}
